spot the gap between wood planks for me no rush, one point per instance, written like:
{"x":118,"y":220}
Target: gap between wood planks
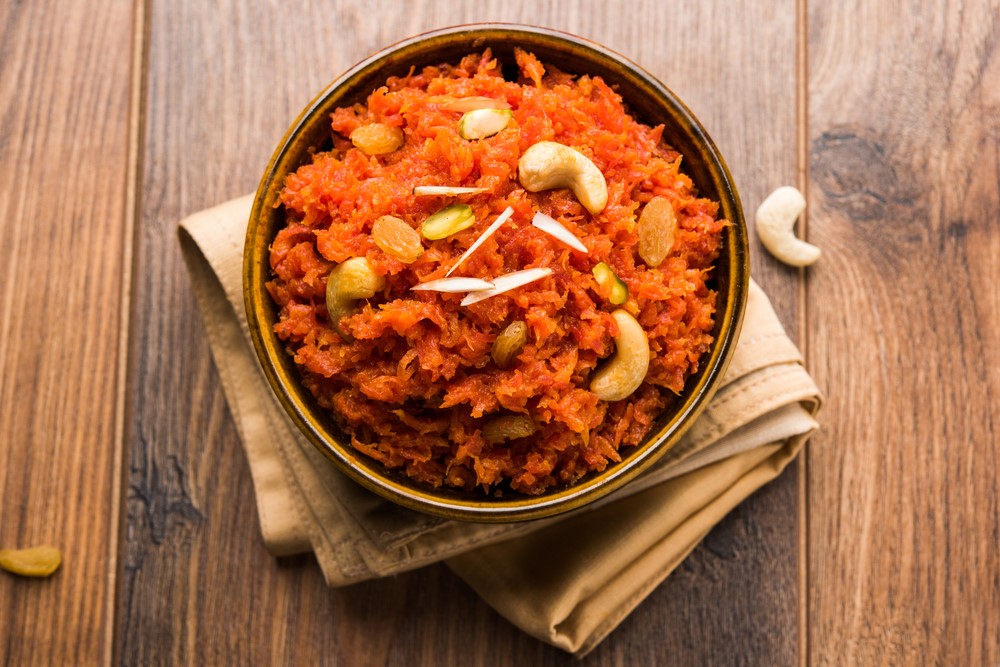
{"x":133,"y":174}
{"x":802,"y":163}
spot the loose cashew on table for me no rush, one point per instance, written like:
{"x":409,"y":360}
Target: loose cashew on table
{"x":775,"y":221}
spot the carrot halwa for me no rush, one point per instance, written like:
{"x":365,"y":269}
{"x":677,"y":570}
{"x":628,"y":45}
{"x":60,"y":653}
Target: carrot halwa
{"x":412,"y":376}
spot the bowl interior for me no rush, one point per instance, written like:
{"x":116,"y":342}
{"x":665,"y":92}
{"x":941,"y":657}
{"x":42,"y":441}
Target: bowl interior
{"x":647,"y":99}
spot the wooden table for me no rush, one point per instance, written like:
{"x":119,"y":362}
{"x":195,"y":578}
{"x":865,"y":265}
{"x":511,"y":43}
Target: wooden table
{"x":880,"y":546}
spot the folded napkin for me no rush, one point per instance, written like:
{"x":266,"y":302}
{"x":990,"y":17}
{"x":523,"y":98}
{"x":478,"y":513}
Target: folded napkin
{"x":568,"y":580}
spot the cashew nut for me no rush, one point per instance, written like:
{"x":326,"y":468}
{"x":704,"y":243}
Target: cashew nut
{"x":349,"y":281}
{"x":621,"y":376}
{"x":548,"y":165}
{"x":776,"y":217}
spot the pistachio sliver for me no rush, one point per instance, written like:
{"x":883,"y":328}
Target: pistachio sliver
{"x":482,"y":123}
{"x":449,"y":220}
{"x":613,"y":286}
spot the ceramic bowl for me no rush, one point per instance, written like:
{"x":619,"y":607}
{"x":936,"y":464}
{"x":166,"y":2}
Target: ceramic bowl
{"x":646,"y":98}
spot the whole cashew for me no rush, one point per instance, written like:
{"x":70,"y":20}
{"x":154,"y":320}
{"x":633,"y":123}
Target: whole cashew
{"x":621,"y":376}
{"x":548,"y":165}
{"x":349,"y":281}
{"x":776,"y":217}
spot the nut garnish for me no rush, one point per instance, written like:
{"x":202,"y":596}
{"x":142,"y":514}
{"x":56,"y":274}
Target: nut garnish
{"x":775,"y":220}
{"x":449,"y":220}
{"x":614,"y":287}
{"x":548,"y":165}
{"x":482,"y":123}
{"x":621,"y":376}
{"x":557,"y":230}
{"x":349,"y":281}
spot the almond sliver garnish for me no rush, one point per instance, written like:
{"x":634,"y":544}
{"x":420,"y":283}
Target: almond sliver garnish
{"x":446,"y":190}
{"x":555,"y":229}
{"x":453,"y":285}
{"x":503,"y":217}
{"x":463,"y":104}
{"x":507,"y":282}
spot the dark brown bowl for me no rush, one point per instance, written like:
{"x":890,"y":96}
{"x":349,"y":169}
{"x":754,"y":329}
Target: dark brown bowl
{"x":652,"y":103}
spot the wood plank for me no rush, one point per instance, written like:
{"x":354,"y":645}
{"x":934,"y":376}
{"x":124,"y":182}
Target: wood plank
{"x":904,"y":309}
{"x":64,"y":88}
{"x":198,"y":585}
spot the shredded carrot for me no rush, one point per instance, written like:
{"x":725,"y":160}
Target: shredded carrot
{"x":414,"y":383}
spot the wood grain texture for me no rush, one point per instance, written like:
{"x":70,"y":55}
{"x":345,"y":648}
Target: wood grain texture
{"x":63,"y":148}
{"x":904,"y":311}
{"x":224,"y":80}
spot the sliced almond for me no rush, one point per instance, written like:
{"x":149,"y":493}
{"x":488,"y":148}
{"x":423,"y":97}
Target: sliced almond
{"x":507,"y":282}
{"x":555,"y":229}
{"x":454,"y":285}
{"x":471,"y":103}
{"x":482,"y":237}
{"x":446,"y":190}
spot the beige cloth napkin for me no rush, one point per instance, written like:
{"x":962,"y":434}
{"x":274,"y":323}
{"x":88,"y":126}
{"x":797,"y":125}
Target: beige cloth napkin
{"x":568,"y":580}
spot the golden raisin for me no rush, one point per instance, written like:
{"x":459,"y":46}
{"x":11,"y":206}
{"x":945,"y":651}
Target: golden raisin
{"x":33,"y":562}
{"x":509,"y":343}
{"x":397,"y":239}
{"x":508,"y":427}
{"x":657,"y":228}
{"x":377,"y":138}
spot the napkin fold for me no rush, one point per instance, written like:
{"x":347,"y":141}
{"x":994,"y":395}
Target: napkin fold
{"x":568,"y":580}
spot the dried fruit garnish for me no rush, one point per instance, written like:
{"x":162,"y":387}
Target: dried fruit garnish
{"x":377,"y":139}
{"x":508,"y":427}
{"x":33,"y":562}
{"x":509,"y":343}
{"x":397,"y":239}
{"x":657,"y":228}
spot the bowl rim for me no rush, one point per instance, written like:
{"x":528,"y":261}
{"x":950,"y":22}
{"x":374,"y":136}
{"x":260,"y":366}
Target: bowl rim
{"x":296,"y":400}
